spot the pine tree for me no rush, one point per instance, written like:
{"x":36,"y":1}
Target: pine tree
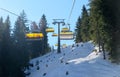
{"x":1,"y":31}
{"x":105,"y":26}
{"x":43,"y":26}
{"x":20,"y":47}
{"x":78,"y":30}
{"x":82,"y":31}
{"x":112,"y":16}
{"x":117,"y":31}
{"x":94,"y":17}
{"x":84,"y":25}
{"x":5,"y":48}
{"x":1,"y":28}
{"x":1,"y":59}
{"x":34,"y":26}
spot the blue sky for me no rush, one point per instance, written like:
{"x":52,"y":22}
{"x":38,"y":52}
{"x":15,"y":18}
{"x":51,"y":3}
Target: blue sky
{"x":53,"y":9}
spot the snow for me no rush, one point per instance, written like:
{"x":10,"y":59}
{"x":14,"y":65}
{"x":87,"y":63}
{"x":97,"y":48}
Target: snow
{"x":77,"y":61}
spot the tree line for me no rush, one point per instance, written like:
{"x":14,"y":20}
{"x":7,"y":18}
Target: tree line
{"x":15,"y":50}
{"x":101,"y":24}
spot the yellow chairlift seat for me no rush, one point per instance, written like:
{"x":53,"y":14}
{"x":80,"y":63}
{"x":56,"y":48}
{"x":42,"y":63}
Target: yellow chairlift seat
{"x":56,"y":44}
{"x":34,"y":36}
{"x":66,"y":35}
{"x":64,"y":45}
{"x":54,"y":34}
{"x":65,"y":29}
{"x":50,"y":29}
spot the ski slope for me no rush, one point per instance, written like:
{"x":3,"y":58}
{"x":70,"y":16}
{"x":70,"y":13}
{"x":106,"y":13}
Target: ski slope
{"x":77,"y":61}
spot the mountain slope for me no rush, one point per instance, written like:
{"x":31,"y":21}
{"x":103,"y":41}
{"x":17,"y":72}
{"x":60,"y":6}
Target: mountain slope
{"x":73,"y":61}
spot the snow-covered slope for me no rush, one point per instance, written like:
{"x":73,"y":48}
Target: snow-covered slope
{"x":77,"y":61}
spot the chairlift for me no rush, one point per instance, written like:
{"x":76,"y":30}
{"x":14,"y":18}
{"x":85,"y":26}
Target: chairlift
{"x":50,"y":29}
{"x":34,"y":35}
{"x":56,"y":44}
{"x":66,"y":35}
{"x":65,"y":29}
{"x":54,"y":34}
{"x":64,"y":45}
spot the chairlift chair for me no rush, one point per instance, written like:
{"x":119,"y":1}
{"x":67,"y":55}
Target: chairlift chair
{"x":50,"y":29}
{"x":65,"y":29}
{"x":34,"y":35}
{"x":56,"y":44}
{"x":66,"y":35}
{"x":54,"y":34}
{"x":64,"y":45}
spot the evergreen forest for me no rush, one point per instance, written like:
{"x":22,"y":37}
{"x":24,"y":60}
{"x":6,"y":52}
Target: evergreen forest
{"x":101,"y":24}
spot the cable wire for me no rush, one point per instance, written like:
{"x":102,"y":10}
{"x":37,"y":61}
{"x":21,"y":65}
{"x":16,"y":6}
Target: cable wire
{"x":12,"y":13}
{"x":9,"y":12}
{"x":71,"y":11}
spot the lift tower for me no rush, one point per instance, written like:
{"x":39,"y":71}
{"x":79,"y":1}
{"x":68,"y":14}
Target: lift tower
{"x":59,"y":21}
